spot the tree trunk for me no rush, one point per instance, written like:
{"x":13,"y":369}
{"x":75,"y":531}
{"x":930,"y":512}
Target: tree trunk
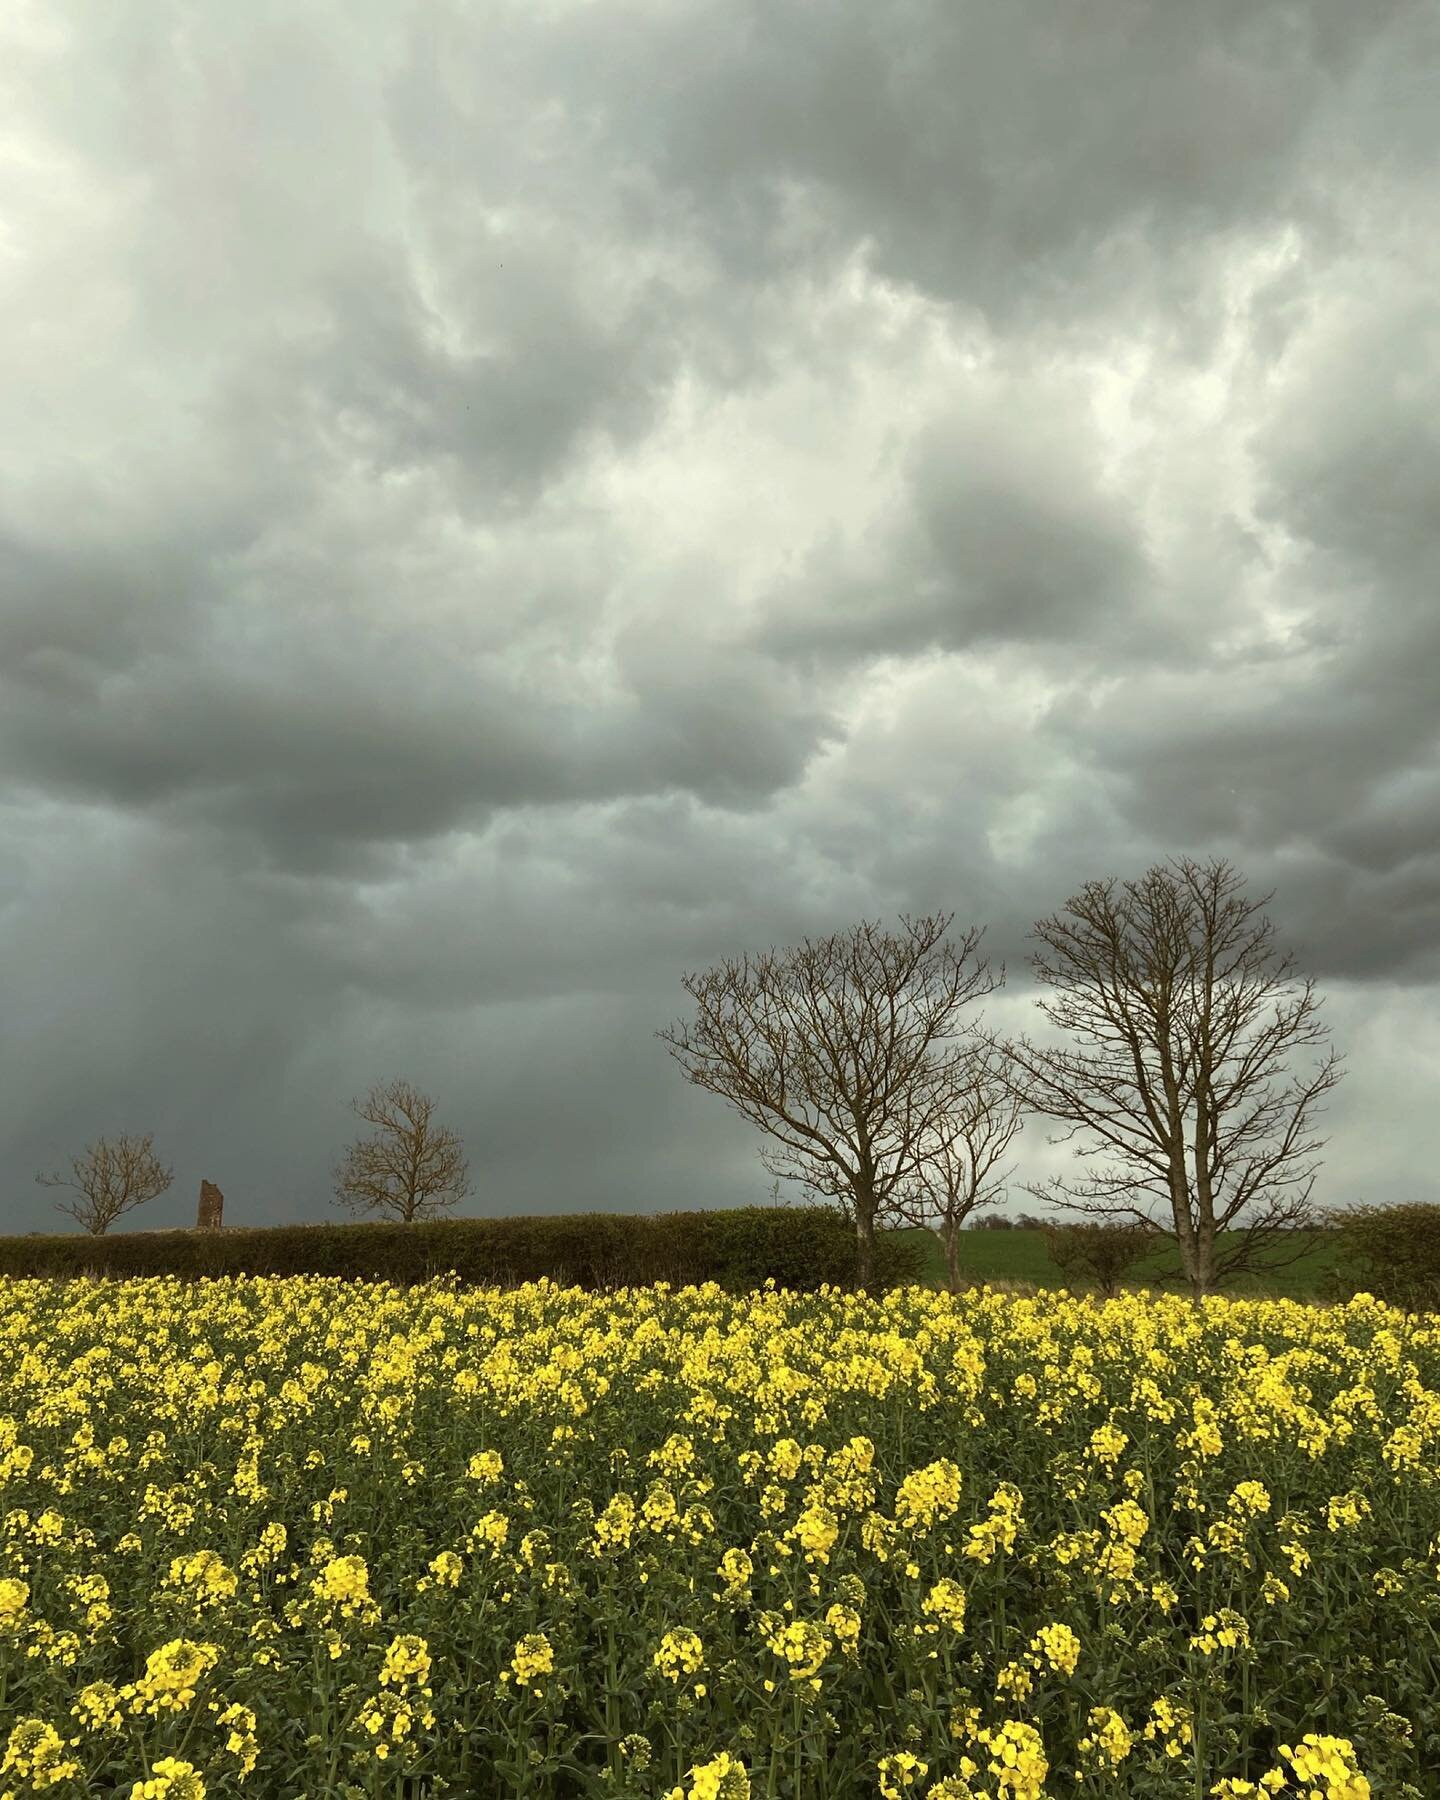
{"x":950,"y":1238}
{"x":1203,"y":1280}
{"x":865,"y":1248}
{"x":1197,"y":1254}
{"x":1186,"y":1240}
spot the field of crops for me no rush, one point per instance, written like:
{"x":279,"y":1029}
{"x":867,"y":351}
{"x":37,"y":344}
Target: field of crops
{"x":1022,"y":1256}
{"x":308,"y":1538}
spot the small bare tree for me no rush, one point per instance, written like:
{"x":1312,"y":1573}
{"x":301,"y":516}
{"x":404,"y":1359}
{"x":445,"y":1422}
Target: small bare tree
{"x":411,"y":1169}
{"x":109,"y":1180}
{"x":840,"y":1050}
{"x":1191,"y":1023}
{"x":1099,"y":1252}
{"x":955,"y":1175}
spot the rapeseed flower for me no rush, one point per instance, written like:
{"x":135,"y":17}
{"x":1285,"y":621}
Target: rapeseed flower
{"x":928,"y":1496}
{"x":1108,"y":1741}
{"x":1329,"y":1765}
{"x":724,"y":1777}
{"x":534,"y":1657}
{"x":681,"y":1655}
{"x":946,"y":1602}
{"x":816,"y":1490}
{"x":1017,"y":1759}
{"x":901,"y":1772}
{"x":35,"y":1752}
{"x":1059,"y":1647}
{"x":170,"y":1779}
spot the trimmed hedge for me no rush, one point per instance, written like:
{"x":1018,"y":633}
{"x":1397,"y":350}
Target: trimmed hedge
{"x":798,"y":1247}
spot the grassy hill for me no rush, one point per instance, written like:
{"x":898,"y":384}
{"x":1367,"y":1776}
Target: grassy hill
{"x":1022,"y":1256}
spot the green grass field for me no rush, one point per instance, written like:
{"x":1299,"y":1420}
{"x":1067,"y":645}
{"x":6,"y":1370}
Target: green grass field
{"x":1022,"y":1256}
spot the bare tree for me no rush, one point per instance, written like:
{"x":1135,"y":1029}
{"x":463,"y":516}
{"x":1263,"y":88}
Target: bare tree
{"x":1099,"y":1252}
{"x":109,"y":1180}
{"x":840,"y":1050}
{"x":1191,"y":1022}
{"x":955,"y":1176}
{"x":411,"y":1169}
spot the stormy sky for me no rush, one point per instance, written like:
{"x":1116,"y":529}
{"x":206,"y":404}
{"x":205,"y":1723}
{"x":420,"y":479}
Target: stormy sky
{"x":503,"y":504}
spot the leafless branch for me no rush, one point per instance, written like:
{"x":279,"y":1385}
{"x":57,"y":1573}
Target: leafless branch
{"x":1189,"y":1021}
{"x":110,"y":1180}
{"x":411,"y":1169}
{"x":843,"y":1051}
{"x":955,"y":1175}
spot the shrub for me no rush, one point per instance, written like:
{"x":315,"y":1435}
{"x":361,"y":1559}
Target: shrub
{"x":798,"y":1247}
{"x":1392,"y":1252}
{"x":1098,"y":1252}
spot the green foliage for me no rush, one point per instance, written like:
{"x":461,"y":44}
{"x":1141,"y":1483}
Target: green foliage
{"x":1392,"y":1252}
{"x":798,"y":1247}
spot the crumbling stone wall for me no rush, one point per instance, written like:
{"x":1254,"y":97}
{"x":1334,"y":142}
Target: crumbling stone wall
{"x":212,"y":1203}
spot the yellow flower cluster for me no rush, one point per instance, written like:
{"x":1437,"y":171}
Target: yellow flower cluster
{"x":724,"y":1777}
{"x":533,"y":1658}
{"x":899,"y":1773}
{"x":681,"y":1654}
{"x":283,"y":1537}
{"x":1317,"y":1768}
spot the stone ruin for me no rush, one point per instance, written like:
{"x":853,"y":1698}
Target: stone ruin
{"x":212,"y":1202}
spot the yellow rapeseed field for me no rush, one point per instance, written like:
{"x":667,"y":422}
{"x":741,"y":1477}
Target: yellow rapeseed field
{"x":313,"y":1538}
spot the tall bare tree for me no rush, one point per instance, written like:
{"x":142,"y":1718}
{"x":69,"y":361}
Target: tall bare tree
{"x":109,"y":1180}
{"x":841,"y":1050}
{"x":411,"y":1169}
{"x":955,"y":1174}
{"x":1175,"y":986}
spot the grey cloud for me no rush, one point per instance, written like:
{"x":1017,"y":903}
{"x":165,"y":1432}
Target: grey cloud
{"x":499,"y":508}
{"x":1400,"y":825}
{"x":1006,"y":534}
{"x":1273,"y":774}
{"x":502,"y":390}
{"x":1348,"y":461}
{"x":724,"y":724}
{"x":332,"y":746}
{"x":1032,"y":174}
{"x":1349,"y":450}
{"x":1023,"y":547}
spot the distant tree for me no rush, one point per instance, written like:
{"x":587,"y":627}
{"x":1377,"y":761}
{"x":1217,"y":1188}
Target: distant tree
{"x":993,"y":1222}
{"x":1030,"y":1222}
{"x":842,"y":1051}
{"x":411,"y":1169}
{"x":110,"y":1180}
{"x":1104,"y":1254}
{"x":955,"y":1176}
{"x":1190,"y":1022}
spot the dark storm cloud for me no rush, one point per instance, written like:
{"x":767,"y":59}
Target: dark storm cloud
{"x":500,"y":506}
{"x":1086,"y":159}
{"x":336,"y":741}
